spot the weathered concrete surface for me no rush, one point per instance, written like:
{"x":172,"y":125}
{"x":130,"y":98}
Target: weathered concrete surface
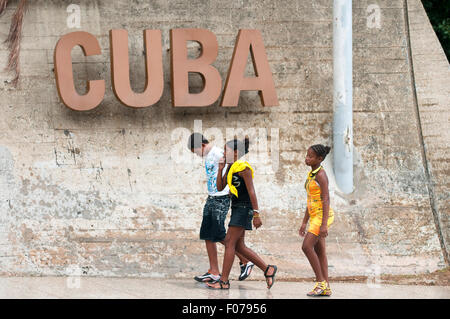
{"x":431,"y":77}
{"x":100,"y":192}
{"x":132,"y":288}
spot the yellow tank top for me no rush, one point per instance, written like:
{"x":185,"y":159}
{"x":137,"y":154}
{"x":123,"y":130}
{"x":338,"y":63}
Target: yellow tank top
{"x":314,"y":201}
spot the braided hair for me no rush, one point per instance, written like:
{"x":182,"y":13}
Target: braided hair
{"x":321,"y":150}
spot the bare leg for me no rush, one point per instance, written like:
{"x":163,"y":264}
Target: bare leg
{"x":249,"y":254}
{"x":241,"y":257}
{"x":234,"y":241}
{"x":211,"y":248}
{"x":308,"y":248}
{"x":233,"y":235}
{"x":254,"y":258}
{"x":321,"y":254}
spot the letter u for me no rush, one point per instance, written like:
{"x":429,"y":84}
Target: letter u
{"x":120,"y":70}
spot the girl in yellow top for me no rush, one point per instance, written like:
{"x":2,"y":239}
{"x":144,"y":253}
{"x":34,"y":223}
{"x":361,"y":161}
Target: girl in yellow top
{"x":320,"y":216}
{"x":244,"y":211}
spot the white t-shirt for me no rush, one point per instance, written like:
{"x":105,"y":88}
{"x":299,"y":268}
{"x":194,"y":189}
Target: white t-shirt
{"x":212,"y":166}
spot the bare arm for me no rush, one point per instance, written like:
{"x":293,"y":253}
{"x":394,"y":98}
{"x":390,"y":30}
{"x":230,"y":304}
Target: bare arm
{"x":221,"y":181}
{"x":246,"y":174}
{"x":302,"y":230}
{"x":306,"y":217}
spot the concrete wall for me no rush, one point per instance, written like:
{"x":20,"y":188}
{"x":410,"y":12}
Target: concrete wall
{"x":431,"y":73}
{"x":100,"y":192}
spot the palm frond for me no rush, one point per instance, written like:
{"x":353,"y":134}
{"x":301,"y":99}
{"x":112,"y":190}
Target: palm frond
{"x":3,"y":4}
{"x":13,"y":40}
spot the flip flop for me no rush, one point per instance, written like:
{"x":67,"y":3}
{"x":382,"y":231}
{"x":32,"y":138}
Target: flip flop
{"x":271,"y":276}
{"x":221,"y":283}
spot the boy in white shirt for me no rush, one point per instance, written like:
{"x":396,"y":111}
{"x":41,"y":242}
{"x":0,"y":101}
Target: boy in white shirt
{"x":215,"y":210}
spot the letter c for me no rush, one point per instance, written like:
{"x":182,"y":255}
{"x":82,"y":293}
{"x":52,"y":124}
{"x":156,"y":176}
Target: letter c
{"x":64,"y":72}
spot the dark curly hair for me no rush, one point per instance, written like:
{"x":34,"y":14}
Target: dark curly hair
{"x":240,"y":146}
{"x":196,"y":140}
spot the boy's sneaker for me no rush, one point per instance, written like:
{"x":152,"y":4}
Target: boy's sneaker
{"x":246,"y":270}
{"x":207,"y":277}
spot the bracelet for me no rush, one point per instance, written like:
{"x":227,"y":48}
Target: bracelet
{"x":255,"y":213}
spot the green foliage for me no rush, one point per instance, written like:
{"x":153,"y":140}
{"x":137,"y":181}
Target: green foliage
{"x":439,"y":14}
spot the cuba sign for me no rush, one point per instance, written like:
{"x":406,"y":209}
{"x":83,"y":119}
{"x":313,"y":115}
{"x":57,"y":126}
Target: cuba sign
{"x":247,"y":41}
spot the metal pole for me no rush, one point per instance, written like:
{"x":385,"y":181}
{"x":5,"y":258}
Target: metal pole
{"x":343,"y":95}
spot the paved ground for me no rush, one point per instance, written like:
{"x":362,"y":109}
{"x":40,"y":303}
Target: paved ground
{"x":92,"y":287}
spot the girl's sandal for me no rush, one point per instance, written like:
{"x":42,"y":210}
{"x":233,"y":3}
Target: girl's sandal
{"x":270,"y":276}
{"x":327,"y":291}
{"x":318,"y":290}
{"x":221,"y":284}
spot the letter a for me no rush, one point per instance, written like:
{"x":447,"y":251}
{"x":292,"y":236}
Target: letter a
{"x":236,"y":82}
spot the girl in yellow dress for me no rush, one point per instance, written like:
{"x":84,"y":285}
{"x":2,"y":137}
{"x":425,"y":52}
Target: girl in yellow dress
{"x":320,"y":216}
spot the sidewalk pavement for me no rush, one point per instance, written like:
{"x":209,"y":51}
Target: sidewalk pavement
{"x":150,"y":288}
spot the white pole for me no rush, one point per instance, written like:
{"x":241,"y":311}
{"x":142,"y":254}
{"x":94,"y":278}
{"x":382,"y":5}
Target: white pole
{"x":343,"y":95}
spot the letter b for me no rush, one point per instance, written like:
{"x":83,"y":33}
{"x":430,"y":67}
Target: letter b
{"x":181,"y":66}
